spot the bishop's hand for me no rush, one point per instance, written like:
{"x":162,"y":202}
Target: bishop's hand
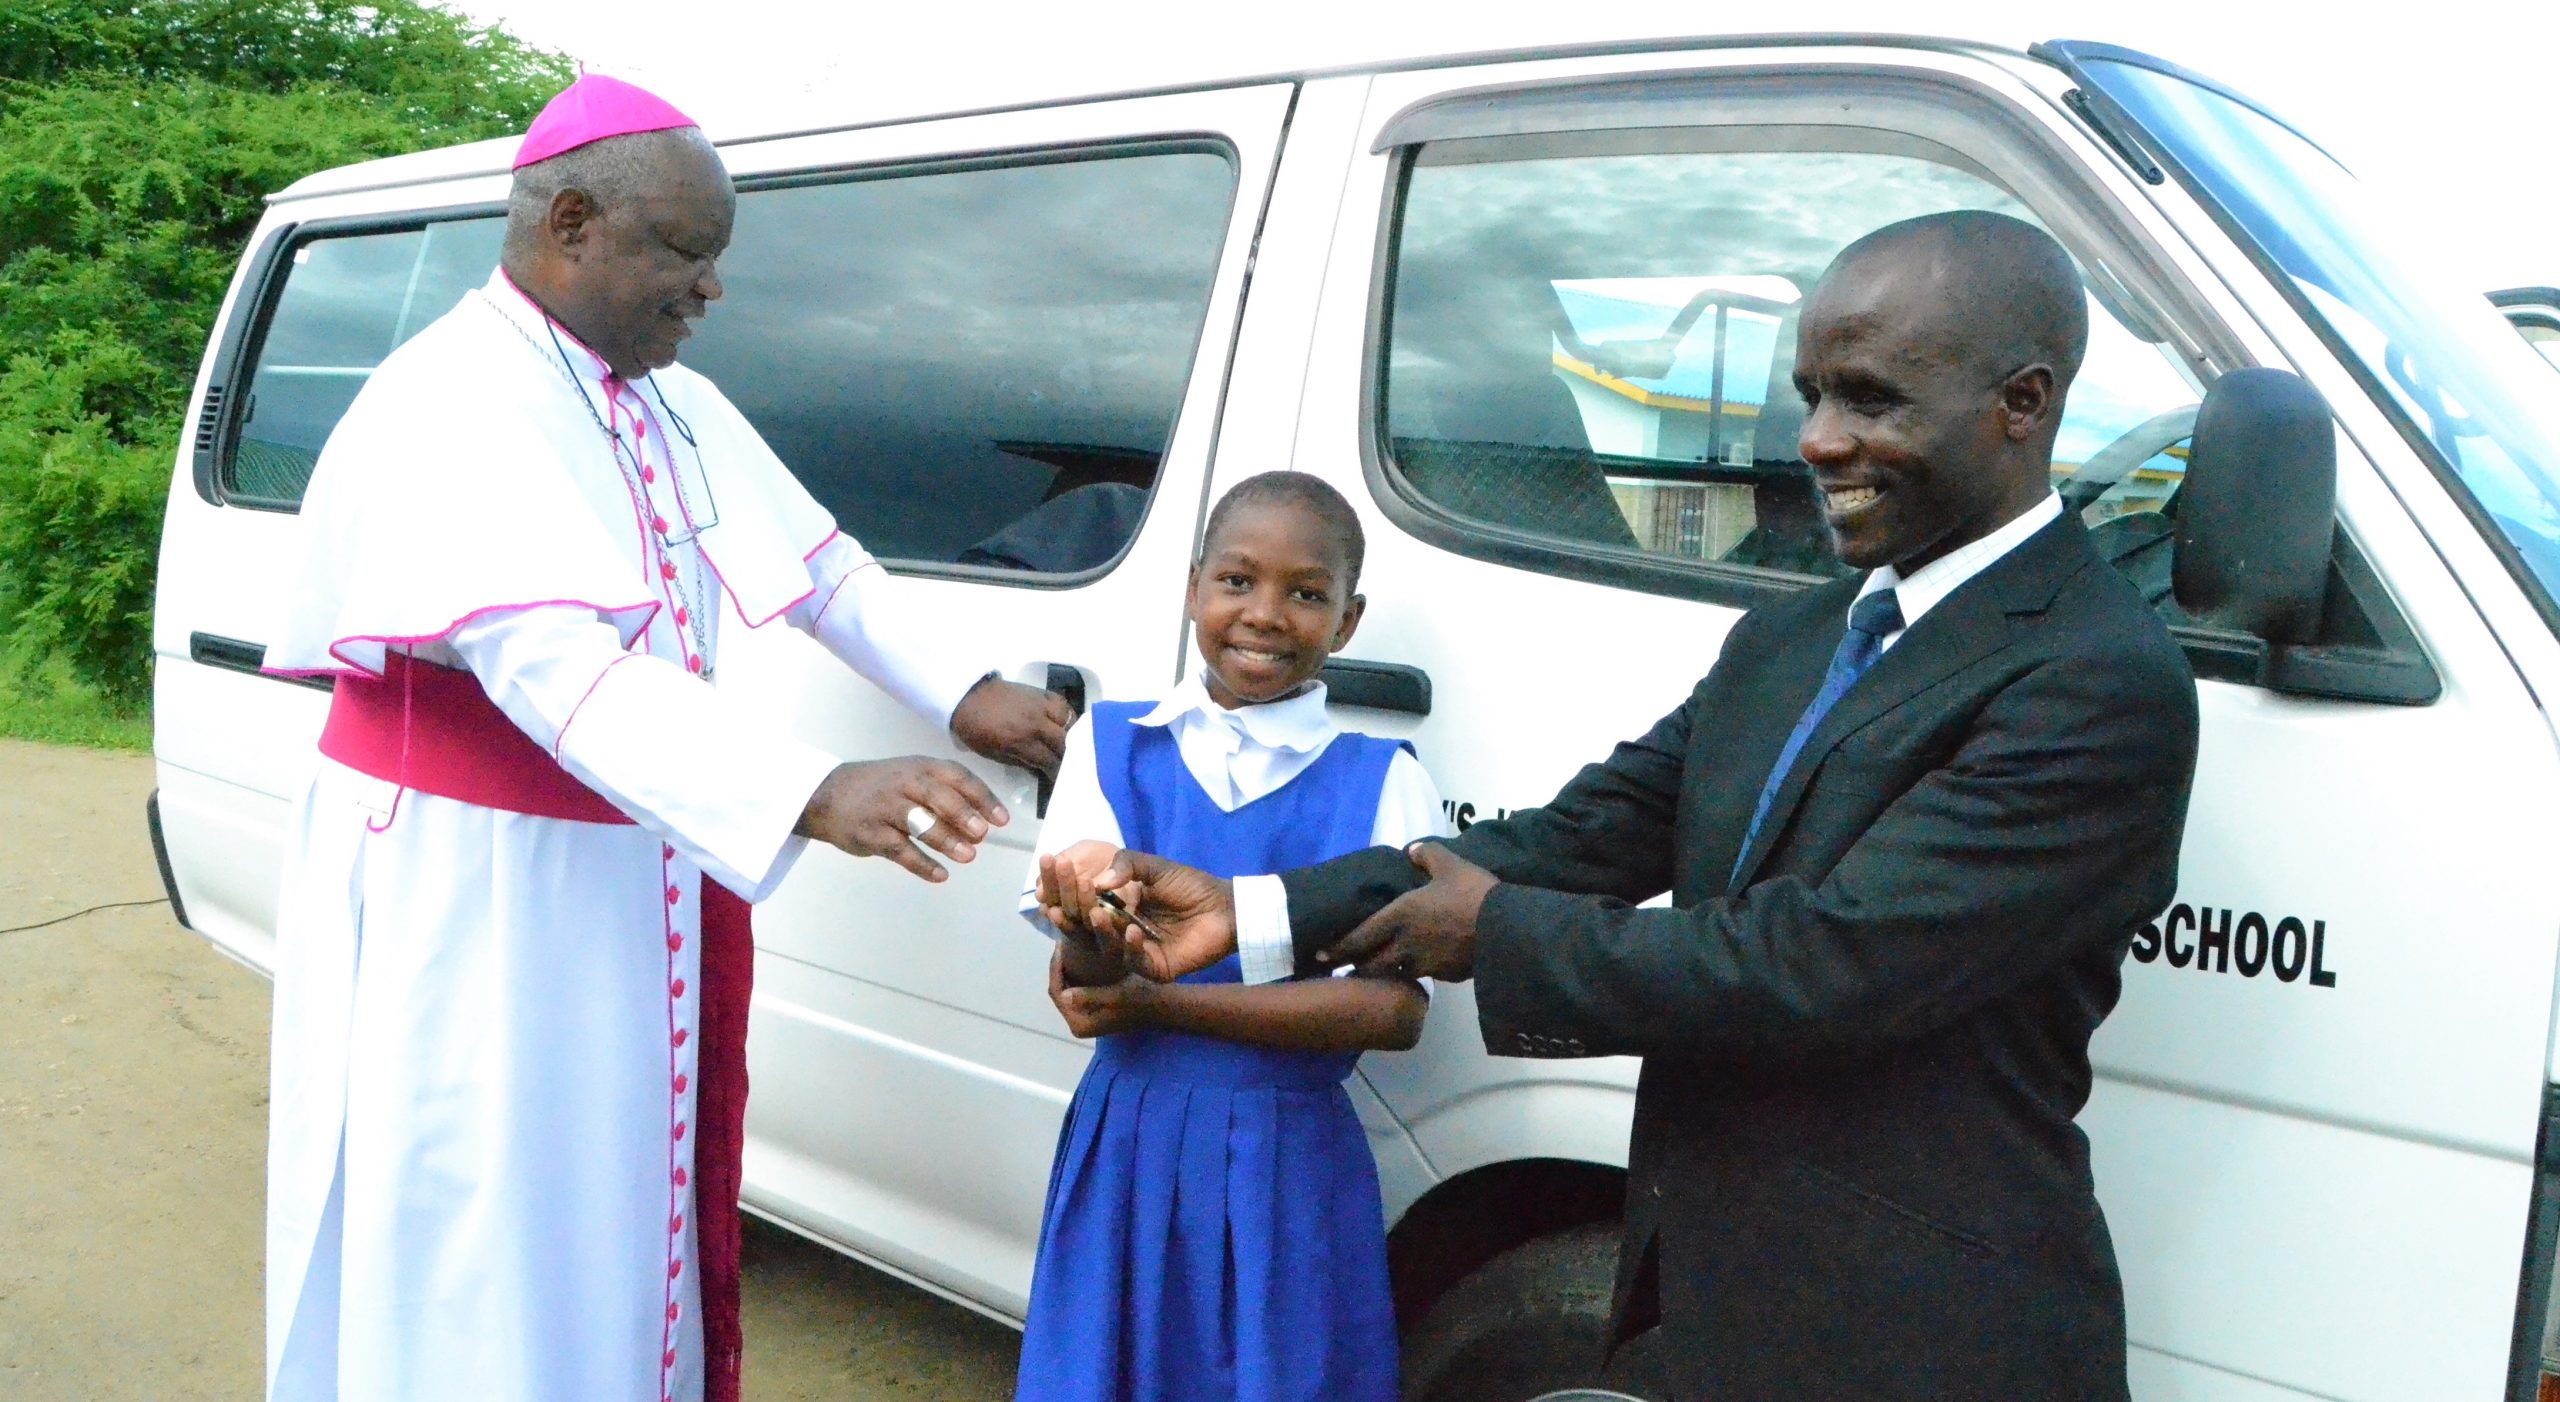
{"x":873,"y":808}
{"x":1185,"y":918}
{"x":1014,"y":724}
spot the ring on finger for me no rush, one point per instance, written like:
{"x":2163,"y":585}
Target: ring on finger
{"x":920,"y":820}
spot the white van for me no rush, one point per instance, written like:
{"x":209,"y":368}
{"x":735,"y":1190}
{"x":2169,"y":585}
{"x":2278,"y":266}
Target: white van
{"x":1535,"y":312}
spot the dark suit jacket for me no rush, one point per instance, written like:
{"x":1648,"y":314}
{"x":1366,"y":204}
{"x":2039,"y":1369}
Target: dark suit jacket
{"x":1854,"y":1169}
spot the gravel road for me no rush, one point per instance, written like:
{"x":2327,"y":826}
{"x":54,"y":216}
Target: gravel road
{"x":133,"y":1091}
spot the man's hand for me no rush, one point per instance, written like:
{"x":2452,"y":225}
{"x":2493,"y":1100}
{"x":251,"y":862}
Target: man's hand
{"x":1426,"y":933}
{"x":1189,"y":915}
{"x":1014,"y":724}
{"x":863,"y":809}
{"x":1097,"y":1010}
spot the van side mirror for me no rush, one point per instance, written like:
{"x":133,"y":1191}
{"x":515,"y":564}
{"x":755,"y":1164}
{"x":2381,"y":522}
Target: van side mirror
{"x":2257,"y":510}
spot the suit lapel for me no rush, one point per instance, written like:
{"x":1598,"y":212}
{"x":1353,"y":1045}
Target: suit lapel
{"x":1985,"y":614}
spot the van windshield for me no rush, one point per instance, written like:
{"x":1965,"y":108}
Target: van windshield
{"x":2442,"y":357}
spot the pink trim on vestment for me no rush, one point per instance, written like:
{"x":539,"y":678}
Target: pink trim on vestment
{"x":561,"y":740}
{"x":699,"y":542}
{"x":635,"y":493}
{"x":704,"y":546}
{"x":353,"y":668}
{"x":841,"y":582}
{"x":733,"y":594}
{"x":651,"y":547}
{"x":675,"y":1135}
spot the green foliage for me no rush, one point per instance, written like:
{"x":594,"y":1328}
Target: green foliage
{"x":82,"y":528}
{"x":454,"y":80}
{"x":79,"y":514}
{"x":138,"y":142}
{"x":50,"y":707}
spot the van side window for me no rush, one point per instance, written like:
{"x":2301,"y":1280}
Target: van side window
{"x":1592,"y":341}
{"x":348,"y":300}
{"x":975,"y":366}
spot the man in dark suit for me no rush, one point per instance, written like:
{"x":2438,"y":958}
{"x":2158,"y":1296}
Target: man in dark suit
{"x":1909,"y":823}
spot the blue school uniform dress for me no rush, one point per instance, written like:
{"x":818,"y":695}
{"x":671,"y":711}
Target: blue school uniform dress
{"x":1213,"y":1227}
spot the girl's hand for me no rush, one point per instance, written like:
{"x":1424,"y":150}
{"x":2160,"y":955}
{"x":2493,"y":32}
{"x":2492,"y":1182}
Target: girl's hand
{"x":1186,"y":918}
{"x":1087,"y":961}
{"x":1099,"y":1010}
{"x":1066,"y":893}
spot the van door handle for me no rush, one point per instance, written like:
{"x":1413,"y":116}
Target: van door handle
{"x":239,"y":655}
{"x":1068,"y":682}
{"x":1380,"y":686}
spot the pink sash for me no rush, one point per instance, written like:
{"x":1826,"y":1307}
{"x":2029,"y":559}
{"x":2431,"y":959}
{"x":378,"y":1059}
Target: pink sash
{"x":433,"y":729}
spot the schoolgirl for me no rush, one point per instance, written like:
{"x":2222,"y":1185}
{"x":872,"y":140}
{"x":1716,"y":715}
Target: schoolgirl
{"x":1213,"y":1227}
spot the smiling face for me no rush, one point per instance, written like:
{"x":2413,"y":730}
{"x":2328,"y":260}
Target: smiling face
{"x":629,"y":271}
{"x":1270,"y":601}
{"x":1923,"y":429}
{"x":658,"y":273}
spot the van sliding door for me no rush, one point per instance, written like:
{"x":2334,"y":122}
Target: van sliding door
{"x":995,"y":347}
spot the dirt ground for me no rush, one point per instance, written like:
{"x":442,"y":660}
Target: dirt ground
{"x":133,"y":1090}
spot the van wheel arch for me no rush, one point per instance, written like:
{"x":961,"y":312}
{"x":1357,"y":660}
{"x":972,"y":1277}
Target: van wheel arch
{"x":1502,"y":1265}
{"x":1530,"y":1325}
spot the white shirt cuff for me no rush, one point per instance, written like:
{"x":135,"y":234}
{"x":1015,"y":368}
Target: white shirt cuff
{"x":1029,"y":909}
{"x":1263,"y":945}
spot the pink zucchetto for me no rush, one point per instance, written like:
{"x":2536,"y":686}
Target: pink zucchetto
{"x":591,"y":109}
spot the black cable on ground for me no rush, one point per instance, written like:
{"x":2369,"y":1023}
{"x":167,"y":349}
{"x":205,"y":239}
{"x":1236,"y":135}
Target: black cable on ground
{"x":111,"y":905}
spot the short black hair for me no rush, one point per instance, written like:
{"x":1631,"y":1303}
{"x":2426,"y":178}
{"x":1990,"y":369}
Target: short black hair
{"x":1305,"y":491}
{"x":2010,"y":284}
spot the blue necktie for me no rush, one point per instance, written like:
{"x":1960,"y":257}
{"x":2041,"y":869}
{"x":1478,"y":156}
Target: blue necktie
{"x":1871,"y":619}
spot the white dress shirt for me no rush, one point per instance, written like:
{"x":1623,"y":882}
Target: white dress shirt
{"x":1237,"y":756}
{"x":1263,"y":936}
{"x":1930,"y":584}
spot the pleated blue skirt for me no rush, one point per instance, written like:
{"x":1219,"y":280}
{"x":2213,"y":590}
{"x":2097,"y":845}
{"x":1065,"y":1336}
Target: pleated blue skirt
{"x":1213,"y":1231}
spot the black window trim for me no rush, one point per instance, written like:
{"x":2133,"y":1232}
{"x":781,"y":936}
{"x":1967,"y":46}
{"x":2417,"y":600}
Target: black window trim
{"x":217,"y":417}
{"x":245,"y":338}
{"x":2538,"y":307}
{"x":1069,"y":153}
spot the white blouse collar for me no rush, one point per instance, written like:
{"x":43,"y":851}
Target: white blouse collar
{"x":1295,"y":723}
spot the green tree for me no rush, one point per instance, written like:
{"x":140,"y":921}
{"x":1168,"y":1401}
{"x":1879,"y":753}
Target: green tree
{"x":138,"y":142}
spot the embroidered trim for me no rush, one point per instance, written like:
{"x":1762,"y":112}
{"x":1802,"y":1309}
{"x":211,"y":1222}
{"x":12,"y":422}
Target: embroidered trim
{"x":841,"y":582}
{"x":560,"y":741}
{"x":700,"y":545}
{"x":832,"y":536}
{"x":648,"y":610}
{"x":677,"y":1178}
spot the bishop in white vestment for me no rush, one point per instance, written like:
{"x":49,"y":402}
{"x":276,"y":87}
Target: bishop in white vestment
{"x":512,"y":957}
